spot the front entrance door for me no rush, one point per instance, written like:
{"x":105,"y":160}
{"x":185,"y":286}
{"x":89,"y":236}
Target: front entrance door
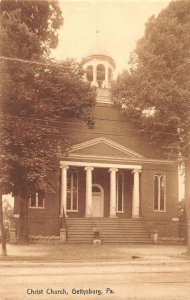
{"x":97,"y":201}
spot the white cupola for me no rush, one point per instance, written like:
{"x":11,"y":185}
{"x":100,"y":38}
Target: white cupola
{"x":99,"y":67}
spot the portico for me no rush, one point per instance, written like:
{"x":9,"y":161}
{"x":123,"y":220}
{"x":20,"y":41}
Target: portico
{"x":87,"y":169}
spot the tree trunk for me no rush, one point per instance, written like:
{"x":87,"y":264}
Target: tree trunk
{"x":187,"y":203}
{"x":23,"y":221}
{"x":3,"y":236}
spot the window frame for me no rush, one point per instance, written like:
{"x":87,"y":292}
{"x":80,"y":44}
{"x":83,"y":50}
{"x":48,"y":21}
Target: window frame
{"x":120,"y":174}
{"x":37,"y":200}
{"x":71,"y":172}
{"x":159,"y":175}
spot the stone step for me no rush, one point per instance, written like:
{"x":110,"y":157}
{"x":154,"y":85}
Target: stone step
{"x":111,"y":241}
{"x":106,"y":220}
{"x":103,"y":96}
{"x":105,"y":226}
{"x":116,"y":230}
{"x":104,"y":223}
{"x":140,"y":230}
{"x":81,"y":236}
{"x":103,"y":237}
{"x":99,"y":90}
{"x":127,"y":242}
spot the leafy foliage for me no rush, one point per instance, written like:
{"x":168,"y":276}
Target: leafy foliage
{"x":36,"y":98}
{"x":33,"y":23}
{"x":155,"y":90}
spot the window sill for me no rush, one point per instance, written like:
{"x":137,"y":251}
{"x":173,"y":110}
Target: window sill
{"x":72,"y":211}
{"x":160,"y":211}
{"x":36,"y":207}
{"x":120,"y":212}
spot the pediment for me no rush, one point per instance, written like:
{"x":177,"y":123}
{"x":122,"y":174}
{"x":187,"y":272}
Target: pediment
{"x":103,"y":147}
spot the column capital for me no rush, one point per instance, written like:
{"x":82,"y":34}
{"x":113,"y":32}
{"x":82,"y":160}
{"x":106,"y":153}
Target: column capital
{"x":64,"y":167}
{"x":113,"y":170}
{"x":136,"y":171}
{"x":89,"y":168}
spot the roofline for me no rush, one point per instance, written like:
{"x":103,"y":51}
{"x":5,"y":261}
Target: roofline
{"x":87,"y":58}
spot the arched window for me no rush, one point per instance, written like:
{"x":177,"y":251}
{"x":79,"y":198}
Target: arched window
{"x":72,"y":190}
{"x":100,"y":72}
{"x":96,"y":189}
{"x":159,"y":192}
{"x":89,"y":73}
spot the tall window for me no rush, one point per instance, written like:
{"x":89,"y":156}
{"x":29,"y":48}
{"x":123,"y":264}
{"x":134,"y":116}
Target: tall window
{"x":72,"y":190}
{"x":37,"y":200}
{"x":159,"y":192}
{"x":120,"y":191}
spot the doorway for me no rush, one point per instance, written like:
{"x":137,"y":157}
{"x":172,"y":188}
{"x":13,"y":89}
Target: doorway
{"x":97,"y":201}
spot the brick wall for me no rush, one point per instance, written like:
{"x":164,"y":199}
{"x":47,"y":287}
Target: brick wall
{"x":111,"y":124}
{"x":161,"y":221}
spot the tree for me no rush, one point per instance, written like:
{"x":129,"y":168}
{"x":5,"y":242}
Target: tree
{"x":155,"y":90}
{"x":33,"y":23}
{"x":36,"y":99}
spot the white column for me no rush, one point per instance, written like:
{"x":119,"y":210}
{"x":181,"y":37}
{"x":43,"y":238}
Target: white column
{"x":136,"y":194}
{"x":95,"y":75}
{"x":85,"y":76}
{"x":63,"y":205}
{"x":113,"y":191}
{"x":88,"y":191}
{"x":106,"y":78}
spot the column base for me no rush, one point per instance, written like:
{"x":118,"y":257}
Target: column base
{"x":88,"y":216}
{"x":135,"y":217}
{"x":113,"y":216}
{"x":61,"y":217}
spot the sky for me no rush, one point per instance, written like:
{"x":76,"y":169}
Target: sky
{"x":120,"y":24}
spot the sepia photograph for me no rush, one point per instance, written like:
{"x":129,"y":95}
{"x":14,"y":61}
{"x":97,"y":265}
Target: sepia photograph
{"x":95,"y":149}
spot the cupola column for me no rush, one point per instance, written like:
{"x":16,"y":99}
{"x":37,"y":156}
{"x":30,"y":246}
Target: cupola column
{"x":95,"y":75}
{"x":85,"y":77}
{"x":106,"y":78}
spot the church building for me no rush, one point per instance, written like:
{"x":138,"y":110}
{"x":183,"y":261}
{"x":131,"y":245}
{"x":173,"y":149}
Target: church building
{"x":111,"y":179}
